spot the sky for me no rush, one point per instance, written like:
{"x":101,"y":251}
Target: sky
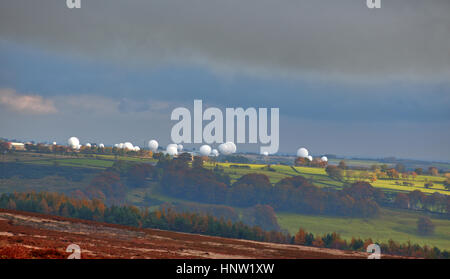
{"x":348,"y":80}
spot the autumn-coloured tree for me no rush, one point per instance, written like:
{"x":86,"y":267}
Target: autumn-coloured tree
{"x":334,"y":172}
{"x":433,"y":171}
{"x":417,"y":199}
{"x":300,"y":237}
{"x":262,"y":216}
{"x":425,"y":226}
{"x":44,"y":206}
{"x":400,"y":167}
{"x":402,"y":201}
{"x":198,"y":162}
{"x":392,"y":173}
{"x":300,"y":161}
{"x":342,"y":165}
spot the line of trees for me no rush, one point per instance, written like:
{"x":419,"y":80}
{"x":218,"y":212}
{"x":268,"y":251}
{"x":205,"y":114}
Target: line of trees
{"x":293,"y":194}
{"x":417,"y":200}
{"x":165,"y":218}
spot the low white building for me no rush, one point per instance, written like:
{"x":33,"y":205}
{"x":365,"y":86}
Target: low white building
{"x":17,"y":146}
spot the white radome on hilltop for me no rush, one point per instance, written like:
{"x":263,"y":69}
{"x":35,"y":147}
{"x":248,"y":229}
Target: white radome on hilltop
{"x":73,"y":142}
{"x":324,"y":159}
{"x":101,"y":145}
{"x":171,"y":149}
{"x":215,"y":152}
{"x":153,"y":145}
{"x":302,"y":152}
{"x":232,"y":146}
{"x":179,"y":147}
{"x":205,"y":150}
{"x":88,"y":144}
{"x":128,"y":145}
{"x":224,"y":149}
{"x":310,"y":158}
{"x":227,"y":148}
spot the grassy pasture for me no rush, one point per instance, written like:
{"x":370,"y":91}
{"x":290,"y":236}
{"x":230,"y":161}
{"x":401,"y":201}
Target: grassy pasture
{"x":100,"y":161}
{"x":398,"y":225}
{"x":48,"y":183}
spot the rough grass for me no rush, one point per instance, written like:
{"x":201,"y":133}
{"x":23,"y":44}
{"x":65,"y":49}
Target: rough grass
{"x":48,"y":183}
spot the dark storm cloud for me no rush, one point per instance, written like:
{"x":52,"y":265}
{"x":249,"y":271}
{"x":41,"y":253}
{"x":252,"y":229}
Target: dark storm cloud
{"x":405,"y":39}
{"x":347,"y":80}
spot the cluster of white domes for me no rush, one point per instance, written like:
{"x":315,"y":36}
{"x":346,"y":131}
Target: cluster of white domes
{"x":304,"y":153}
{"x":127,"y":146}
{"x":171,"y":149}
{"x":74,"y":143}
{"x":204,"y":150}
{"x":227,"y":148}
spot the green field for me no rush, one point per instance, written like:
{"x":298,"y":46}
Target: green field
{"x":48,"y":183}
{"x":398,"y":225}
{"x":85,"y":161}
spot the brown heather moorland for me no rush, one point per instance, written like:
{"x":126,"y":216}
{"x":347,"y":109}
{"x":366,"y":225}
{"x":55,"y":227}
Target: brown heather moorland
{"x":31,"y":235}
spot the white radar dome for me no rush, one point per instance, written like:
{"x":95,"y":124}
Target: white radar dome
{"x":205,"y":150}
{"x":172,"y":149}
{"x":302,"y":152}
{"x":153,"y":145}
{"x":73,"y":142}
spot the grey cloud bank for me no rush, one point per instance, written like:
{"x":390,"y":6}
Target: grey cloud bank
{"x":405,"y":39}
{"x":347,"y":79}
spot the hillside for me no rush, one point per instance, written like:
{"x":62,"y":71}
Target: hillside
{"x":31,"y":235}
